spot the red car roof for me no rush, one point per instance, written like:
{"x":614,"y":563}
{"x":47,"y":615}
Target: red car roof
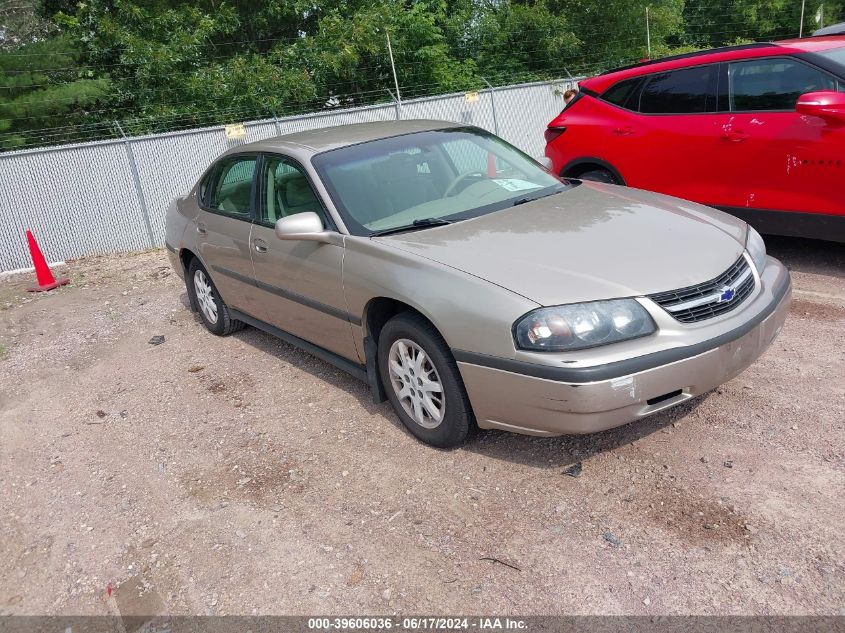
{"x":601,"y":83}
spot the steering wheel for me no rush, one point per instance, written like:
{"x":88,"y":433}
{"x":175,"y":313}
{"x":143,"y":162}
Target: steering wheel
{"x":450,"y":190}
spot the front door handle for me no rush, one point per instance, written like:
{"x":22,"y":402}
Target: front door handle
{"x":259,"y":245}
{"x":201,"y":228}
{"x":626,"y":130}
{"x":735,"y":136}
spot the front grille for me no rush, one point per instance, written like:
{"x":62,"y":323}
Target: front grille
{"x":710,"y":299}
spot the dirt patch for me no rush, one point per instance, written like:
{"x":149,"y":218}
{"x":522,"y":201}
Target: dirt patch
{"x":13,"y":290}
{"x":805,"y":308}
{"x":237,"y":475}
{"x":247,"y":474}
{"x":696,"y":519}
{"x":137,"y":597}
{"x":235,"y":386}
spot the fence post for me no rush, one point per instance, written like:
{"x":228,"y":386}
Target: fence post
{"x":395,"y":103}
{"x":137,"y":180}
{"x":276,"y":122}
{"x":493,"y":105}
{"x":396,"y":79}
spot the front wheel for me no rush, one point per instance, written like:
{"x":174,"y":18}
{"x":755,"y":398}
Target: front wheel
{"x":600,"y":175}
{"x":422,"y":381}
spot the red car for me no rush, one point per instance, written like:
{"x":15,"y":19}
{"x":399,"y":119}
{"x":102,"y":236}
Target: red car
{"x":756,"y":130}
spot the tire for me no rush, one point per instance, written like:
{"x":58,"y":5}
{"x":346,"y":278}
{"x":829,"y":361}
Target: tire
{"x":416,"y":334}
{"x":207,"y":302}
{"x":600,"y":175}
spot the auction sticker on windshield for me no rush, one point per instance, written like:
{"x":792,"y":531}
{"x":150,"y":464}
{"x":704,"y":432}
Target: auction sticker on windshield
{"x":515,"y":184}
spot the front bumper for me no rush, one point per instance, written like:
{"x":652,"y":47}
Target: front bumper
{"x":535,"y":405}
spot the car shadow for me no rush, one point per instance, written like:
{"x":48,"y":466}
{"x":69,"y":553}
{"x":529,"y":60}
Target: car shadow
{"x":808,"y":256}
{"x":537,"y":452}
{"x":568,"y":450}
{"x":305,"y":362}
{"x":542,"y":452}
{"x":798,"y":254}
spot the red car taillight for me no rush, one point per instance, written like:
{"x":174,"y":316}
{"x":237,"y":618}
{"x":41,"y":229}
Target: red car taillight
{"x":552,"y":133}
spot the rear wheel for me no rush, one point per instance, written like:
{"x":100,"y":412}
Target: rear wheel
{"x":204,"y":296}
{"x":600,"y":175}
{"x":422,"y":381}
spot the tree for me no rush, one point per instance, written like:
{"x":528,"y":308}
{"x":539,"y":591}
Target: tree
{"x":515,"y":41}
{"x":180,"y":63}
{"x":20,"y":24}
{"x":614,"y":31}
{"x":42,"y":87}
{"x":711,"y":23}
{"x":157,"y":65}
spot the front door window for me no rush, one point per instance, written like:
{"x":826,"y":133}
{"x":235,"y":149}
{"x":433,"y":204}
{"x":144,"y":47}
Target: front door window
{"x":761,"y":85}
{"x":286,"y":191}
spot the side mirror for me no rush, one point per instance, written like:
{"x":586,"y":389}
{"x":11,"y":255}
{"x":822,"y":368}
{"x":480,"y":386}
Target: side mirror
{"x":826,"y":104}
{"x":545,"y":161}
{"x":306,"y":226}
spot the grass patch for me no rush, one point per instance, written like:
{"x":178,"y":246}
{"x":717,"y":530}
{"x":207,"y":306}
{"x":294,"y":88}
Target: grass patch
{"x":3,"y":351}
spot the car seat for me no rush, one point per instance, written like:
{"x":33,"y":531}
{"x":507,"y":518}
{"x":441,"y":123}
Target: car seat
{"x":401,"y":182}
{"x":236,"y":197}
{"x":360,"y":193}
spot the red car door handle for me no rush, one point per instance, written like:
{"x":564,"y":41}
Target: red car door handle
{"x":624,"y":131}
{"x":735,"y":135}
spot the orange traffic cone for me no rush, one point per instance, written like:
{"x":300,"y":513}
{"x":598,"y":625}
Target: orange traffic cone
{"x":46,"y":281}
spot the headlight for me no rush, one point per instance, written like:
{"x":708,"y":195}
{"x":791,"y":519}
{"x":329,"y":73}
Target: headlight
{"x":756,"y":248}
{"x":582,"y":325}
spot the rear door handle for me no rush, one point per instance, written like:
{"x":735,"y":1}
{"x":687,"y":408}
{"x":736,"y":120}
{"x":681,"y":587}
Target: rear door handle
{"x":624,"y":131}
{"x":201,"y":229}
{"x":259,"y":245}
{"x":736,"y":136}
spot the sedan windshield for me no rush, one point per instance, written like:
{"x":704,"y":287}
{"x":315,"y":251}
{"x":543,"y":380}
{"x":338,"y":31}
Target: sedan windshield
{"x":426,"y":179}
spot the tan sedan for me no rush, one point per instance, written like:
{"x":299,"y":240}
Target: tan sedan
{"x":468,"y":285}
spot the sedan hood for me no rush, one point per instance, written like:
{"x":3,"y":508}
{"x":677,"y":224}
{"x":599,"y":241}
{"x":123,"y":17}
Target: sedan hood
{"x":587,"y":243}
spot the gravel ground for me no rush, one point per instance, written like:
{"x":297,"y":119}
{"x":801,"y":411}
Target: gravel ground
{"x":238,"y":475}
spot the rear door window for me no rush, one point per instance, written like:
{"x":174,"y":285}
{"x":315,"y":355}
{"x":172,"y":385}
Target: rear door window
{"x":231,"y":186}
{"x":685,"y":91}
{"x":772,"y":84}
{"x":622,"y":93}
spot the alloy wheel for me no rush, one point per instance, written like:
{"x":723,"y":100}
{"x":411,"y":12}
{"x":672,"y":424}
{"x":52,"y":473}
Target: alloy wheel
{"x":205,"y":296}
{"x":416,"y":383}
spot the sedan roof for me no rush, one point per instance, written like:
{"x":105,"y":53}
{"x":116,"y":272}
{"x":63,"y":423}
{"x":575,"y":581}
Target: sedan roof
{"x":322,"y":139}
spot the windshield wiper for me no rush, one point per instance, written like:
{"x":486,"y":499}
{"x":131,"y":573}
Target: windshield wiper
{"x":421,"y":223}
{"x":520,"y":201}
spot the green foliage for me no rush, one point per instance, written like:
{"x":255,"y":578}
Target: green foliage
{"x":614,"y":31}
{"x":723,"y":22}
{"x":20,"y":23}
{"x":41,"y":87}
{"x":156,"y":65}
{"x":521,"y":41}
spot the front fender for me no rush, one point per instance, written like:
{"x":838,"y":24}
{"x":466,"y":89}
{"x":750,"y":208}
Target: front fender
{"x":469,"y":312}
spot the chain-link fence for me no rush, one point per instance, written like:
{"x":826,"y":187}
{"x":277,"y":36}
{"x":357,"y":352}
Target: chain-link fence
{"x":111,"y":196}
